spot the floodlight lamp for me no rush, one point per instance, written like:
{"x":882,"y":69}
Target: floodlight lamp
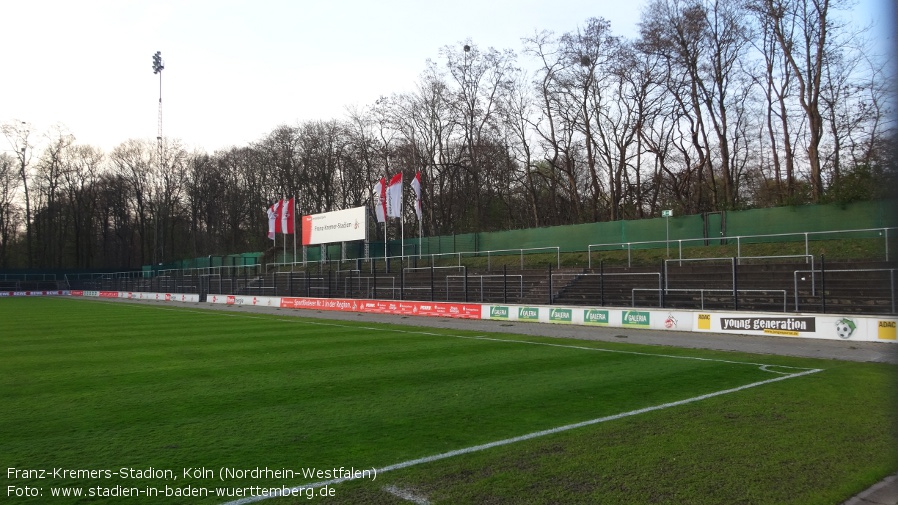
{"x":157,"y":62}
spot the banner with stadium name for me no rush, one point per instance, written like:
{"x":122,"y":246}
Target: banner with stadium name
{"x":337,"y":226}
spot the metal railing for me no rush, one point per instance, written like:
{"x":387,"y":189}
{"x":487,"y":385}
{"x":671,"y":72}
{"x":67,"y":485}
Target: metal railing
{"x":822,"y":272}
{"x":702,"y":292}
{"x":739,"y":239}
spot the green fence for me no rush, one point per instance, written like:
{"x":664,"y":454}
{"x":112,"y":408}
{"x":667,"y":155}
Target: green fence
{"x":230,"y":260}
{"x":715,"y":228}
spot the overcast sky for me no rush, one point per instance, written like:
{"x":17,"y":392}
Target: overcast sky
{"x":234,"y":70}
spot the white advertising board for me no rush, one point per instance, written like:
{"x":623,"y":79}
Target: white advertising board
{"x":337,"y":226}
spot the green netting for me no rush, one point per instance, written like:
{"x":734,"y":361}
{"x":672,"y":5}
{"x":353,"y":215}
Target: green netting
{"x":713,"y":229}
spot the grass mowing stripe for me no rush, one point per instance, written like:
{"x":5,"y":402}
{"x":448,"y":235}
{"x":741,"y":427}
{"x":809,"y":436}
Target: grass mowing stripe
{"x":521,"y":438}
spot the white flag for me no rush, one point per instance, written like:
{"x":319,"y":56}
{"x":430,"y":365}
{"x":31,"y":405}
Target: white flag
{"x":380,"y":200}
{"x":416,"y":185}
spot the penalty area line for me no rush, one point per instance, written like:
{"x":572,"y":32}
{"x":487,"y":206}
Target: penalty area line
{"x":528,"y":436}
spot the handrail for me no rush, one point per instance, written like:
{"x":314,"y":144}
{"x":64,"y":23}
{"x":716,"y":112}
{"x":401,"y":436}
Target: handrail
{"x":702,"y":292}
{"x":884,"y":232}
{"x":482,"y":276}
{"x":842,"y":270}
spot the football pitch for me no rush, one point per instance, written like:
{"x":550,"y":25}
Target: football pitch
{"x":148,"y":403}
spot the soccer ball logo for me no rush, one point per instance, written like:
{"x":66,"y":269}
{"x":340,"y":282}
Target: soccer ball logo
{"x":844,"y":328}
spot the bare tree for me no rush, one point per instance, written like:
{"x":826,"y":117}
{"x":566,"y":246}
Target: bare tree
{"x":803,"y":31}
{"x":9,"y":222}
{"x":132,"y":161}
{"x":17,"y":133}
{"x":83,"y":166}
{"x":481,"y":77}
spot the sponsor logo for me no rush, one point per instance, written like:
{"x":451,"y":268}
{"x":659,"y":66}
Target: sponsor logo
{"x":845,"y":328}
{"x":704,"y":321}
{"x":671,"y":322}
{"x":528,"y":313}
{"x":637,"y":318}
{"x":791,"y":326}
{"x":886,"y":330}
{"x":561,"y":315}
{"x":498,"y":312}
{"x":595,"y":316}
{"x":231,"y":300}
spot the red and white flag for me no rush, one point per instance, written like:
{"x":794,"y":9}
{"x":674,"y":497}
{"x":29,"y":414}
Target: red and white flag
{"x":286,"y":217}
{"x":380,"y":200}
{"x":416,"y":185}
{"x":273,"y":219}
{"x":394,"y":196}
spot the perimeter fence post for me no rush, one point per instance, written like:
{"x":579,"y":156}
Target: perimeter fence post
{"x":504,"y":283}
{"x":550,"y":284}
{"x":663,"y":288}
{"x":823,"y":282}
{"x":735,"y":287}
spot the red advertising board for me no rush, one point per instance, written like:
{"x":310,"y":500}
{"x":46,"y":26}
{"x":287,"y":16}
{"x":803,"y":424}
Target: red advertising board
{"x":435,"y":309}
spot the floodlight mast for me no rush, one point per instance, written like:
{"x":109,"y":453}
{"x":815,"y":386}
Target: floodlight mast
{"x":157,"y":69}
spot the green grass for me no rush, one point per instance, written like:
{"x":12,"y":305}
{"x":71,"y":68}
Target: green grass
{"x":94,"y":385}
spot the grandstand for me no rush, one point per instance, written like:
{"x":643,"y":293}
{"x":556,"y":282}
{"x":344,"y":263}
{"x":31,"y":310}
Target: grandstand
{"x":806,"y":263}
{"x":800,"y":283}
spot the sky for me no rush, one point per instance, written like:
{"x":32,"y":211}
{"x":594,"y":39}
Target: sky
{"x":235,"y":70}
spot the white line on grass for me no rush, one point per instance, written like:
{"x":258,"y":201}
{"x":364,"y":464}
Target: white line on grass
{"x":529,"y":436}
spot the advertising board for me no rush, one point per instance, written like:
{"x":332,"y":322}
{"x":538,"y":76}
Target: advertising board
{"x":337,"y":226}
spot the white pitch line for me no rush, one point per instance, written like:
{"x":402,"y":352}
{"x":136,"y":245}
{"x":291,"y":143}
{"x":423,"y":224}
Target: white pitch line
{"x":530,"y":436}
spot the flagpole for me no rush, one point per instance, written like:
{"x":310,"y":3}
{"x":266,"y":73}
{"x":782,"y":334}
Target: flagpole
{"x":419,"y":215}
{"x":401,"y":217}
{"x":284,"y":232}
{"x":293,"y":263}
